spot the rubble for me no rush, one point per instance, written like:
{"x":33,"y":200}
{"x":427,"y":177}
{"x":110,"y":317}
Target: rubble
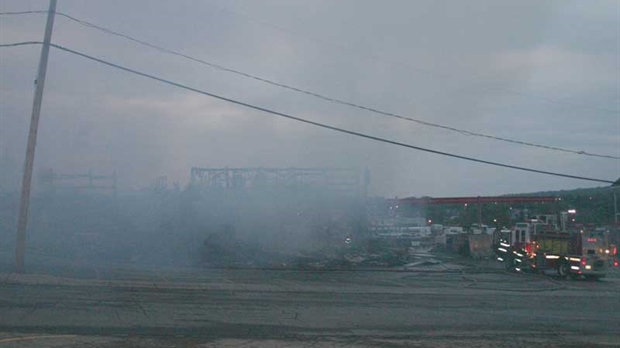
{"x":223,"y":249}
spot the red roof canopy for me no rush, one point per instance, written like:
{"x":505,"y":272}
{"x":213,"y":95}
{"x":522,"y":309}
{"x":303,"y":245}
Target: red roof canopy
{"x":473,"y":200}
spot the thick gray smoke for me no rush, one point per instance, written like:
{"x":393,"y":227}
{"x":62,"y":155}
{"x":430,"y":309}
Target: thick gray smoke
{"x":193,"y":226}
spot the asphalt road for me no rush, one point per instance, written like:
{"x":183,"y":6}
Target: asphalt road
{"x":262,"y":308}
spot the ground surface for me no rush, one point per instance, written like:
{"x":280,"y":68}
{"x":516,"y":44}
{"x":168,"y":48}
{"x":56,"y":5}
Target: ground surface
{"x":473,"y":307}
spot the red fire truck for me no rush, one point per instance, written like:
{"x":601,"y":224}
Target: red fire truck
{"x":541,"y":247}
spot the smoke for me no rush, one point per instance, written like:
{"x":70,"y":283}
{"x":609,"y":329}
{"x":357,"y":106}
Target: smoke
{"x":81,"y":228}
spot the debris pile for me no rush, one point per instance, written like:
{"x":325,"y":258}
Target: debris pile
{"x":224,"y":249}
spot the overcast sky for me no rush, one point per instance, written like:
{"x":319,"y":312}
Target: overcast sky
{"x":545,"y":72}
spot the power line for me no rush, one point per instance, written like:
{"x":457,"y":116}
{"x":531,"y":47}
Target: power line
{"x":322,"y":125}
{"x":324,"y":97}
{"x":407,"y":66}
{"x":342,"y":130}
{"x":327,"y":98}
{"x":25,"y":43}
{"x":341,"y":47}
{"x":21,"y":12}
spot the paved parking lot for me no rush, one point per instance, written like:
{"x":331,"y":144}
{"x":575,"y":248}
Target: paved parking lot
{"x":209,"y":308}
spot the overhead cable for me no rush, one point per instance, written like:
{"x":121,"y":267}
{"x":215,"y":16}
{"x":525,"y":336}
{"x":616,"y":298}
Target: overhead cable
{"x":24,"y":43}
{"x":328,"y":98}
{"x":408,"y":66}
{"x":322,"y":125}
{"x":21,"y":12}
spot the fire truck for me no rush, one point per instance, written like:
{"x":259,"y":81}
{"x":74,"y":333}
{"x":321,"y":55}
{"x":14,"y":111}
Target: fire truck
{"x":540,"y":246}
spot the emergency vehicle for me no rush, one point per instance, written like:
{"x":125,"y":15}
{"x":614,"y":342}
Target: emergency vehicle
{"x":540,"y":246}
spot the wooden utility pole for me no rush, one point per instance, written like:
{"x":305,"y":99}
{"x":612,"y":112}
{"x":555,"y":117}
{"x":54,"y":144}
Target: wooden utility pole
{"x":24,"y":203}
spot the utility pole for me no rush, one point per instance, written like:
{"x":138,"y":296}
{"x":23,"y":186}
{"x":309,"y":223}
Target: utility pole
{"x":479,"y":213}
{"x":615,"y":206}
{"x":32,"y":142}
